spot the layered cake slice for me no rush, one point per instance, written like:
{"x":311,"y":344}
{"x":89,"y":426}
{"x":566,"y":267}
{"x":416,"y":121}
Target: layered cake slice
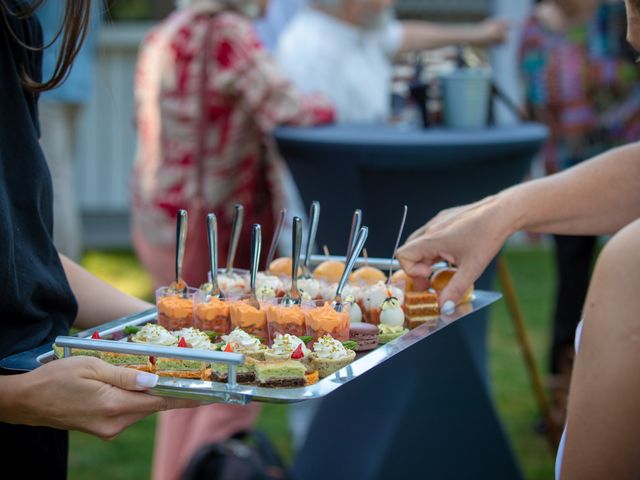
{"x":279,"y":374}
{"x":421,"y":308}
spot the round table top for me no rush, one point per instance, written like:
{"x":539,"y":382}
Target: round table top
{"x":406,"y":136}
{"x":389,"y":147}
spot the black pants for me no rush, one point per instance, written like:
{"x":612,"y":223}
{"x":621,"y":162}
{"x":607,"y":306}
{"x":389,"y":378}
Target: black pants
{"x":574,"y":255}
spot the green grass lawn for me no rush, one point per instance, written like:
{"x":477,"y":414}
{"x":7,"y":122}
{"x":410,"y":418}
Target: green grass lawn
{"x":129,"y":455}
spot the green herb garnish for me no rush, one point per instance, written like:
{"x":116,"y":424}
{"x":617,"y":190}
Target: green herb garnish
{"x":350,"y":344}
{"x":213,"y":335}
{"x":131,"y":330}
{"x":306,"y":338}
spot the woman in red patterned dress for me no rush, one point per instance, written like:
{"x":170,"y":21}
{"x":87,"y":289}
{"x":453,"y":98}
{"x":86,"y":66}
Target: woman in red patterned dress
{"x":233,"y":105}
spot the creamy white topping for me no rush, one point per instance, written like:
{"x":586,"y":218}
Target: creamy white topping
{"x":328,"y":291}
{"x":286,"y":344}
{"x":194,"y":338}
{"x":232,"y":283}
{"x":270,"y":281}
{"x":265,"y":293}
{"x":311,"y":286}
{"x":376,"y":294}
{"x":329,"y":348}
{"x":154,"y":334}
{"x":242,"y":341}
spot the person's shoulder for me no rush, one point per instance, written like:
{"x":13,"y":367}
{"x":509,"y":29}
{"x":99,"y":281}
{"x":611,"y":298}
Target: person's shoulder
{"x":303,"y":33}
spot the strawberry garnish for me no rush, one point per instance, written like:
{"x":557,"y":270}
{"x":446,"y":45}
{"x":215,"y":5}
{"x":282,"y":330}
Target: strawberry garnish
{"x":183,"y":343}
{"x":152,"y":360}
{"x":228,"y":348}
{"x":96,"y":336}
{"x":297,"y":353}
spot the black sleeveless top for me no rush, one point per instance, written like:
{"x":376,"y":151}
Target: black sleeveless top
{"x":36,"y":302}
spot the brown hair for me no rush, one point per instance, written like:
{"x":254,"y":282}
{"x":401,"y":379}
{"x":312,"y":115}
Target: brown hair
{"x":73,"y":30}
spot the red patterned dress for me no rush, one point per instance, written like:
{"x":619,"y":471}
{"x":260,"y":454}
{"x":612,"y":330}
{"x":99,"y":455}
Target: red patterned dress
{"x":246,"y":97}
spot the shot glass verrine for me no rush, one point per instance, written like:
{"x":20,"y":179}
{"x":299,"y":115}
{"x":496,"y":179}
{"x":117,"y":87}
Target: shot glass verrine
{"x":283,"y":318}
{"x":248,"y":318}
{"x":175,"y":310}
{"x":212,"y":314}
{"x":322,"y":319}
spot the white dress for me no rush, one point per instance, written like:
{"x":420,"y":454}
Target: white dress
{"x":560,"y":453}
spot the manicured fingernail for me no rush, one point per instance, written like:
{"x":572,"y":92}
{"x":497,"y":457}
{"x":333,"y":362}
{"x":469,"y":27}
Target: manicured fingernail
{"x":449,"y":307}
{"x":146,"y":380}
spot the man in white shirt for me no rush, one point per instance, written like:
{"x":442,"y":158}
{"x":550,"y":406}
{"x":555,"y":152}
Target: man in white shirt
{"x":344,"y":49}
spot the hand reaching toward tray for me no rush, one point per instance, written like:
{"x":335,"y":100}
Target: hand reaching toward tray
{"x":84,"y":394}
{"x":467,"y":237}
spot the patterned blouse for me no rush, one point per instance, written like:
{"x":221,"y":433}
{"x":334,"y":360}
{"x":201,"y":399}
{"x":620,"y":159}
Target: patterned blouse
{"x":246,"y":97}
{"x":583,"y":85}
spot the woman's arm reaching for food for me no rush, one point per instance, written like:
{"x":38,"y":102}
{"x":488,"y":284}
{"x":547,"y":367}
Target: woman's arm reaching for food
{"x":599,"y":196}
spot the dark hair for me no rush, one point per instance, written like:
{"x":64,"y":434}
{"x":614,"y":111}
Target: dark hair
{"x":73,"y":30}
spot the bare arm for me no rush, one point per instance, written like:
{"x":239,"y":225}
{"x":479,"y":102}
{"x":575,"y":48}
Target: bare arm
{"x":84,"y":394}
{"x":98,"y":301}
{"x":599,"y":196}
{"x":603,"y":429}
{"x":420,"y":35}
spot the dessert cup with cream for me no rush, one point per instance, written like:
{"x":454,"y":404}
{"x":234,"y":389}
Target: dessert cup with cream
{"x":248,"y":318}
{"x":285,"y":319}
{"x":321,"y":319}
{"x":212,"y":315}
{"x":175,"y":311}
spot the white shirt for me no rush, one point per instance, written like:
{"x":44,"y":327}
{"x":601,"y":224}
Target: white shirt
{"x":350,"y":65}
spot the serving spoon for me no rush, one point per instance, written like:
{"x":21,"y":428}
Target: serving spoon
{"x":356,"y":222}
{"x":276,"y":238}
{"x":236,"y":228}
{"x":179,"y":287}
{"x":212,"y":288}
{"x":314,"y":219}
{"x":256,"y":245}
{"x":395,"y":248}
{"x":294,"y":297}
{"x":337,"y":304}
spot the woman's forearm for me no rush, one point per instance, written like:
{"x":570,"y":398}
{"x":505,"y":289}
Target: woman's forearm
{"x":597,"y":197}
{"x":98,"y":302}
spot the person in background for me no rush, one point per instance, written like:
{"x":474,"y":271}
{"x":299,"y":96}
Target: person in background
{"x":207,"y":97}
{"x":581,"y":81}
{"x":59,"y":114}
{"x":344,"y":49}
{"x":44,"y":293}
{"x":278,"y":16}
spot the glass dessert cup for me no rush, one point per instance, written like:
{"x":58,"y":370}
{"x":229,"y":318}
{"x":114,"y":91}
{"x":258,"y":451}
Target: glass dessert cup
{"x":247,"y":318}
{"x":282,"y":318}
{"x":175,"y":311}
{"x":321,"y":319}
{"x":234,"y":284}
{"x":212,"y":315}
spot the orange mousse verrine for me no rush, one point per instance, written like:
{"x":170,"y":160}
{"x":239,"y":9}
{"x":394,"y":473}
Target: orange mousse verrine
{"x":249,"y":319}
{"x":286,"y":319}
{"x":175,"y":312}
{"x":326,"y":321}
{"x":213,"y":316}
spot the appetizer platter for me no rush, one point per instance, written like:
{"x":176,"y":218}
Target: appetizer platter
{"x":296,"y":331}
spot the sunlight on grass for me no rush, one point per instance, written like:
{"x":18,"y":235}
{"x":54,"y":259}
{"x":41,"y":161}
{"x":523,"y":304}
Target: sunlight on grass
{"x":128,"y":457}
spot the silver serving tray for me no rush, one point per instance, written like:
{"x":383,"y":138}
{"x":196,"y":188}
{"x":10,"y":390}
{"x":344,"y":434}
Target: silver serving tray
{"x":232,"y":392}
